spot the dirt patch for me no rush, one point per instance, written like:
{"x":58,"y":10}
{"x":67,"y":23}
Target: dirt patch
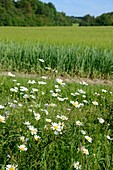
{"x":65,"y":78}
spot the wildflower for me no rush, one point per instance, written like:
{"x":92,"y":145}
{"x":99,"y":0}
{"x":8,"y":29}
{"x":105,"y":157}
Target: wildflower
{"x":20,"y":105}
{"x":34,"y":90}
{"x":18,"y":84}
{"x":84,"y":150}
{"x":22,"y":138}
{"x":44,"y":77}
{"x":44,"y":110}
{"x":78,"y":123}
{"x":57,"y":90}
{"x":76,"y":104}
{"x":89,"y":139}
{"x":48,"y":68}
{"x":33,"y":97}
{"x":14,"y":89}
{"x":22,"y":148}
{"x":48,"y":120}
{"x":22,"y":88}
{"x":52,"y":105}
{"x":62,"y":117}
{"x":83,"y":83}
{"x":43,"y":93}
{"x":98,"y":94}
{"x":104,"y":91}
{"x":83,"y":132}
{"x":30,"y":110}
{"x":11,"y":167}
{"x":31,"y":82}
{"x":54,"y":94}
{"x":14,"y":80}
{"x":15,"y":101}
{"x":101,"y":120}
{"x":56,"y":86}
{"x":41,"y":60}
{"x":60,"y":99}
{"x":33,"y":130}
{"x":81,"y":91}
{"x":109,"y":138}
{"x":95,"y":103}
{"x":42,"y":82}
{"x":60,"y":81}
{"x":10,"y":74}
{"x":2,"y":119}
{"x":2,"y":107}
{"x":37,"y":137}
{"x":77,"y":165}
{"x":37,"y":116}
{"x":56,"y":127}
{"x":27,"y":123}
{"x":26,"y":96}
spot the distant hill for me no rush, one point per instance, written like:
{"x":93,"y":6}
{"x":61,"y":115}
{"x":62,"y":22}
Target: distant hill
{"x":31,"y":13}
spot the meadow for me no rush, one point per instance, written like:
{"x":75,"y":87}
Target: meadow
{"x":47,"y":123}
{"x":48,"y":120}
{"x":82,"y":51}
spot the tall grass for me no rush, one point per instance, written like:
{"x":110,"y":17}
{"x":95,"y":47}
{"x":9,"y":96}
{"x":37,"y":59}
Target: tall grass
{"x":80,"y":60}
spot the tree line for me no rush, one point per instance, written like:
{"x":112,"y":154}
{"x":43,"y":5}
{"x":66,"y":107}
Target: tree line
{"x":31,"y":13}
{"x":105,"y":19}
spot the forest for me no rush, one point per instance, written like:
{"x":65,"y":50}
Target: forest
{"x":105,"y":19}
{"x":31,"y":13}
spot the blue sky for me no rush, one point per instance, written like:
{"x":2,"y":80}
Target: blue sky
{"x":83,"y":7}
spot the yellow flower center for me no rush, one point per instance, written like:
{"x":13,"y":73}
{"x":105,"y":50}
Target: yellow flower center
{"x":22,"y":149}
{"x":56,"y":127}
{"x":75,"y":104}
{"x":1,"y":120}
{"x":36,"y":138}
{"x":60,"y":82}
{"x":33,"y":130}
{"x":12,"y":168}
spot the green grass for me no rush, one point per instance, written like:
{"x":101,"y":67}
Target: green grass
{"x":90,"y":36}
{"x":53,"y":151}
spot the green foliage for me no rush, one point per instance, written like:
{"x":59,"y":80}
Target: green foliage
{"x":102,"y":20}
{"x":30,"y":13}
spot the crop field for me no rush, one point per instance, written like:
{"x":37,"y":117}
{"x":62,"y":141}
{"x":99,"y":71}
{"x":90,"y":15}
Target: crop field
{"x":72,"y":50}
{"x":47,"y":123}
{"x":90,"y":36}
{"x":48,"y":120}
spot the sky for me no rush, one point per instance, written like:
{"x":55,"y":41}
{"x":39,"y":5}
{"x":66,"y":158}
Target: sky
{"x":82,"y":7}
